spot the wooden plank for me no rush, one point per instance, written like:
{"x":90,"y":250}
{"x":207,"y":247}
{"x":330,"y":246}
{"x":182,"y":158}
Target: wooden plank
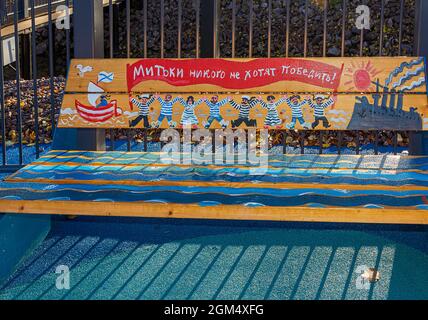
{"x":225,"y":212}
{"x":191,"y":183}
{"x":344,"y":75}
{"x":346,"y":112}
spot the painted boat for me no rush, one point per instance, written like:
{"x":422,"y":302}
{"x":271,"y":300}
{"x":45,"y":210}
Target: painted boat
{"x":91,"y":112}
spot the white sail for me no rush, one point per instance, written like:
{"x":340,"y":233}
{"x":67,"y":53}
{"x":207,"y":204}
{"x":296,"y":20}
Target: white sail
{"x":95,"y":93}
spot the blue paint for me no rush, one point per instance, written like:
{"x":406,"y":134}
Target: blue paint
{"x":128,"y":258}
{"x":297,"y":197}
{"x":41,"y":187}
{"x":208,"y":203}
{"x":19,"y":235}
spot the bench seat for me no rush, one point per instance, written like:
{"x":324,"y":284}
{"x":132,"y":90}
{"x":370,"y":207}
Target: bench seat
{"x":345,"y":188}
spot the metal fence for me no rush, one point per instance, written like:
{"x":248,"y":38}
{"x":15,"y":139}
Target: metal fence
{"x":191,"y":28}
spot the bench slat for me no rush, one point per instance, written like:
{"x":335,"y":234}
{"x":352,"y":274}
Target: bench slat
{"x":351,"y":172}
{"x":345,"y":75}
{"x":230,"y":212}
{"x":347,"y":112}
{"x":370,"y":189}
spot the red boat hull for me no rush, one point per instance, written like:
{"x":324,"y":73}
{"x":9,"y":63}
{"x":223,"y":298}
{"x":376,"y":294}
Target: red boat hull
{"x":100,"y":114}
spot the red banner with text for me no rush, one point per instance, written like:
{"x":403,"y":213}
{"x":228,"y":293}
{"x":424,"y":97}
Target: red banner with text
{"x":234,"y":75}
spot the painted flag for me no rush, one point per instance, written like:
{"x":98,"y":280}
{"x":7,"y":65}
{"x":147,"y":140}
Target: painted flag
{"x":105,"y":77}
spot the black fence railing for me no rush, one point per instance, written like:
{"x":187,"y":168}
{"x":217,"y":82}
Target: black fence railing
{"x":31,"y":86}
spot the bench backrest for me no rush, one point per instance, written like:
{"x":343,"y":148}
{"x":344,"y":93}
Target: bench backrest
{"x":379,"y":93}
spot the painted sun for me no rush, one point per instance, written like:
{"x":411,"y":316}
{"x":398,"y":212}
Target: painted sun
{"x":360,"y":76}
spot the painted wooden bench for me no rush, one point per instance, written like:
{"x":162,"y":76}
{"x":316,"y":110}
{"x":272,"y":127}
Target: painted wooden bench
{"x":278,"y":93}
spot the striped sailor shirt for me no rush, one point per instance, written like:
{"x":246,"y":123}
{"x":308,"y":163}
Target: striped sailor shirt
{"x":166,"y":106}
{"x":244,"y":109}
{"x":215,"y":107}
{"x":319,"y":108}
{"x":143,"y":107}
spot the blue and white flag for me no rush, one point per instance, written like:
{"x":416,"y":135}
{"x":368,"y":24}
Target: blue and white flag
{"x":105,"y":77}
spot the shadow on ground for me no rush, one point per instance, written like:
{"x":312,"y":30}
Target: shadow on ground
{"x":121,"y":258}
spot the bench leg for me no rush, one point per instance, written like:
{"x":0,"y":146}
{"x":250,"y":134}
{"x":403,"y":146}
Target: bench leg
{"x":418,"y":144}
{"x":19,"y":235}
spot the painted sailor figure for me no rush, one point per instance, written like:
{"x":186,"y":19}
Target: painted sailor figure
{"x":272,"y":118}
{"x":104,"y":101}
{"x":188,"y":118}
{"x":244,"y":112}
{"x":166,"y":110}
{"x":296,"y":111}
{"x":143,"y":103}
{"x":215,"y":106}
{"x":319,"y":107}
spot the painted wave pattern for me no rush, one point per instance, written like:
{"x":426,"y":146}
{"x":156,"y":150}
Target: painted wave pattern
{"x":223,"y":196}
{"x":385,"y":162}
{"x":153,"y":173}
{"x":113,"y":167}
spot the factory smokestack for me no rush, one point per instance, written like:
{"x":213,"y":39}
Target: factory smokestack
{"x":385,"y":97}
{"x":400,"y":101}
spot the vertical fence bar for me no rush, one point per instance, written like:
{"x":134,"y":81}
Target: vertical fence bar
{"x":197,"y":27}
{"x":357,"y":142}
{"x":162,"y":22}
{"x":395,"y":141}
{"x":67,"y":38}
{"x":344,"y":13}
{"x":284,"y":141}
{"x":382,"y":17}
{"x":2,"y":104}
{"x":116,"y":22}
{"x":216,"y":39}
{"x":209,"y":28}
{"x":145,"y":139}
{"x":324,"y":45}
{"x":128,"y":28}
{"x":51,"y":67}
{"x":34,"y":72}
{"x":269,"y":27}
{"x":112,"y":139}
{"x":320,"y":141}
{"x":179,"y":29}
{"x":339,"y":142}
{"x":287,"y":30}
{"x":233,"y":27}
{"x":362,"y":37}
{"x":23,"y":5}
{"x":110,"y":28}
{"x":400,"y":32}
{"x":376,"y":146}
{"x":302,"y":142}
{"x":305,"y":41}
{"x":145,"y":27}
{"x":250,"y":32}
{"x":361,"y":42}
{"x":128,"y":140}
{"x":18,"y":80}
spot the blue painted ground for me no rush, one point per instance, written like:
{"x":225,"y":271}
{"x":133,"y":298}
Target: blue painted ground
{"x":125,"y":258}
{"x":128,"y":258}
